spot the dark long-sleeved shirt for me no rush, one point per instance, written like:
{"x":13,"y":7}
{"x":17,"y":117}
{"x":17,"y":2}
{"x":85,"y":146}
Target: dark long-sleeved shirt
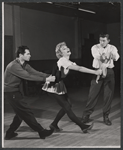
{"x":15,"y":72}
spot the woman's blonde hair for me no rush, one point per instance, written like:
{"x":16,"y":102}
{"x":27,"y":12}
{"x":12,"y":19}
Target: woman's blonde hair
{"x":58,"y":51}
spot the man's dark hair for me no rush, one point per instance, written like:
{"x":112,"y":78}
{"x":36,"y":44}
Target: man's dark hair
{"x":104,"y":35}
{"x":21,"y":50}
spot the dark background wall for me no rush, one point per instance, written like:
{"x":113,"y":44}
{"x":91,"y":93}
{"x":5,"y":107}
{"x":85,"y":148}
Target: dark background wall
{"x":44,"y":30}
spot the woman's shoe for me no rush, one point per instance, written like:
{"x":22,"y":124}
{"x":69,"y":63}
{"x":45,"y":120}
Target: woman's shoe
{"x":44,"y":133}
{"x":55,"y":128}
{"x":89,"y":127}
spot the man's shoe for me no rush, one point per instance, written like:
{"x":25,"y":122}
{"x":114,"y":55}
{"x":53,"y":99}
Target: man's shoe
{"x":10,"y":135}
{"x":85,"y":119}
{"x":55,"y":128}
{"x":44,"y":133}
{"x":107,"y":121}
{"x":88,"y":127}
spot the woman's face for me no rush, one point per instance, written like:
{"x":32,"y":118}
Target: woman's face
{"x":65,"y":50}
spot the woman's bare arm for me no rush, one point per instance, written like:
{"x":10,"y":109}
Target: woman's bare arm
{"x":85,"y":70}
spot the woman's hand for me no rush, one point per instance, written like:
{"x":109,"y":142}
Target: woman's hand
{"x":98,"y":72}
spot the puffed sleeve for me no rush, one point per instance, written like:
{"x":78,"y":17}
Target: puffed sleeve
{"x":65,"y":63}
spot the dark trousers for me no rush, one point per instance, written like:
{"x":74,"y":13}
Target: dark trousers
{"x":22,"y":111}
{"x":107,"y":85}
{"x":65,"y":104}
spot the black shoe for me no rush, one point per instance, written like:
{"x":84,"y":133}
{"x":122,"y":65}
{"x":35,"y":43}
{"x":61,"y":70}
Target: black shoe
{"x":107,"y":121}
{"x":85,"y":119}
{"x":10,"y":135}
{"x":88,"y":127}
{"x":44,"y":133}
{"x":55,"y":128}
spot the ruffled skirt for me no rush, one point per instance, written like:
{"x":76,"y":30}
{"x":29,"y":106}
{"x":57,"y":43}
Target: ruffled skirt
{"x":57,"y":88}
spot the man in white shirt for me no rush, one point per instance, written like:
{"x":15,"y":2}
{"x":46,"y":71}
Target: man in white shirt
{"x":100,"y":52}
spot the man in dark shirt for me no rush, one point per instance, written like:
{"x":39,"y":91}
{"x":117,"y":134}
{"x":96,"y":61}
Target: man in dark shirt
{"x":17,"y":70}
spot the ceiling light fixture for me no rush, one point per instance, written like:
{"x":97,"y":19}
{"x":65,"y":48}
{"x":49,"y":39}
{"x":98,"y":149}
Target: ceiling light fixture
{"x":49,"y":2}
{"x":64,"y":5}
{"x":89,"y":11}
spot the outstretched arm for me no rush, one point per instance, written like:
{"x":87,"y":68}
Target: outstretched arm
{"x":18,"y":71}
{"x":85,"y":70}
{"x":35,"y":72}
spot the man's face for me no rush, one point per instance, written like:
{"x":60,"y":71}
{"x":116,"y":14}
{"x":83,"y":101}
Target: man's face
{"x":26,"y":56}
{"x":104,"y":41}
{"x":65,"y":50}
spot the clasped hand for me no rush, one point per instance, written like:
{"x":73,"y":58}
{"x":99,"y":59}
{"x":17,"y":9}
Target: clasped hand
{"x":98,"y":72}
{"x":107,"y":56}
{"x":51,"y":78}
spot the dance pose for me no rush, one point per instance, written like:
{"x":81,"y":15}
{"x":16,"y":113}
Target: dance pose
{"x":58,"y":90}
{"x":106,"y":82}
{"x":15,"y":72}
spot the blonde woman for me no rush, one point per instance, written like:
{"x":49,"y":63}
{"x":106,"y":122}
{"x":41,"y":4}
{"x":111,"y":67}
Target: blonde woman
{"x":58,"y":90}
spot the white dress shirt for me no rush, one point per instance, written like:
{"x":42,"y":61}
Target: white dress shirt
{"x":97,"y":50}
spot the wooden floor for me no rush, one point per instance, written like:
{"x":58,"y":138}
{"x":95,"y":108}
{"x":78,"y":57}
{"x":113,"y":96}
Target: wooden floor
{"x":45,"y":110}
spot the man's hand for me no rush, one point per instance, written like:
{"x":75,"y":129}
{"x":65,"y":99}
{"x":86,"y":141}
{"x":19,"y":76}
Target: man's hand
{"x":112,"y":56}
{"x":102,"y":57}
{"x":51,"y":78}
{"x":98,"y":72}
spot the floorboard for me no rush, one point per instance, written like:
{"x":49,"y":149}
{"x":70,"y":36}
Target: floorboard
{"x":45,"y":110}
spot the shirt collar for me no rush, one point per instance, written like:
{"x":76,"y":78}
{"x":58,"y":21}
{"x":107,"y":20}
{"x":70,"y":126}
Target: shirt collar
{"x":105,"y":47}
{"x":18,"y":61}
